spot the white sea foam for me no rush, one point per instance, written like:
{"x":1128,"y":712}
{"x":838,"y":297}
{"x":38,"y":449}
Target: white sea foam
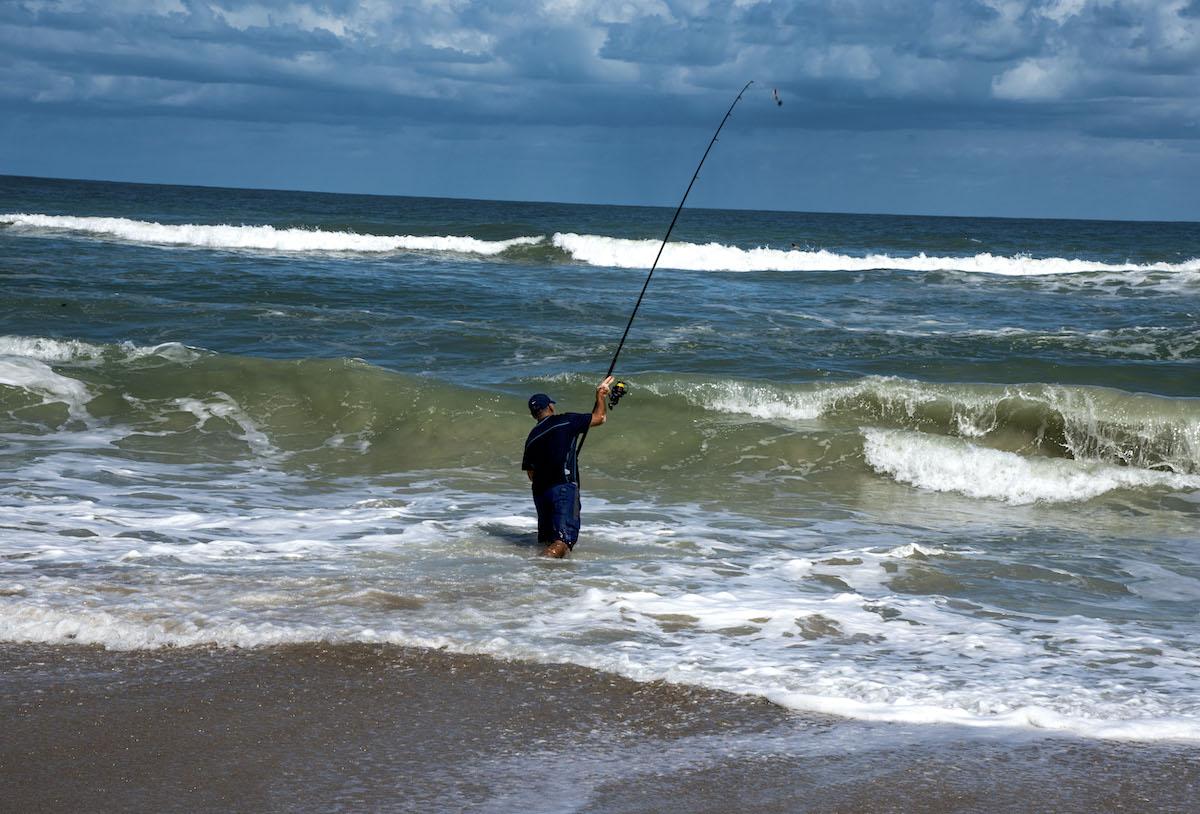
{"x":116,"y":631}
{"x":25,"y":363}
{"x":222,"y":406}
{"x":1098,"y":424}
{"x":75,"y":351}
{"x":911,"y":550}
{"x":1136,"y":729}
{"x":131,"y":554}
{"x":844,"y":690}
{"x":944,"y":464}
{"x":412,"y":568}
{"x":49,"y":350}
{"x":772,"y":402}
{"x":266,"y":238}
{"x":598,"y":250}
{"x":36,"y":377}
{"x":765,"y":402}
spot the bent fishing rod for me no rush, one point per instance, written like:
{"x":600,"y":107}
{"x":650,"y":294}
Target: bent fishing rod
{"x":619,"y":388}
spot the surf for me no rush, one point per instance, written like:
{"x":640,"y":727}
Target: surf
{"x":345,"y":416}
{"x":264,"y":238}
{"x":588,"y":249}
{"x":941,"y":464}
{"x":599,"y":250}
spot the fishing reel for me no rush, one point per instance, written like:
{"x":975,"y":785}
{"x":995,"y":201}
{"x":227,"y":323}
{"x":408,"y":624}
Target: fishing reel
{"x":615,"y":392}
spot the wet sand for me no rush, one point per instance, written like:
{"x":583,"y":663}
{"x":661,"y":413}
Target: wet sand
{"x":369,"y":728}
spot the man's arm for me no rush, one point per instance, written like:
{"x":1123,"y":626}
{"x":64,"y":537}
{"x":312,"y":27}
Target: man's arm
{"x":600,"y":411}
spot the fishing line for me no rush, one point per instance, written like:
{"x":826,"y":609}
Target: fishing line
{"x":667,"y":236}
{"x":663,"y":245}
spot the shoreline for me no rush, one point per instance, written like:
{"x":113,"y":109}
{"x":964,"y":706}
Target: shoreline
{"x":382,"y":727}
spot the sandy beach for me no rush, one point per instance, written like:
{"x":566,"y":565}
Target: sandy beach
{"x":365,"y":728}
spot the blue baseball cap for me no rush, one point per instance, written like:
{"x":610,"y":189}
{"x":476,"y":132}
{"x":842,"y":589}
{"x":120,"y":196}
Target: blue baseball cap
{"x":539,"y":402}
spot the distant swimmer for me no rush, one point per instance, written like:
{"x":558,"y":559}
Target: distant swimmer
{"x":551,"y":462}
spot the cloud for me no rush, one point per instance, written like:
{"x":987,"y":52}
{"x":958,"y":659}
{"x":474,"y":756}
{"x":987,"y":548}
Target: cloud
{"x":655,"y":41}
{"x":1037,"y":80}
{"x":1086,"y":65}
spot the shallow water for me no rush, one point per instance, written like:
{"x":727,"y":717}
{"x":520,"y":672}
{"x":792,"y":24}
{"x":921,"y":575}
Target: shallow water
{"x":917,"y":469}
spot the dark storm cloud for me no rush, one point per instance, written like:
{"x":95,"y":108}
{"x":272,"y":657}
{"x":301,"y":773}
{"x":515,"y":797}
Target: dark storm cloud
{"x":1088,"y":65}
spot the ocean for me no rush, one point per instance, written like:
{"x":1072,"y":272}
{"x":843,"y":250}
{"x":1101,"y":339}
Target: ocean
{"x":929,"y":471}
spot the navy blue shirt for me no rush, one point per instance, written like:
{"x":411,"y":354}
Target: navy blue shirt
{"x":550,"y":449}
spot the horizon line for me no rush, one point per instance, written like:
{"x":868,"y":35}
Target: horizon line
{"x":668,"y":207}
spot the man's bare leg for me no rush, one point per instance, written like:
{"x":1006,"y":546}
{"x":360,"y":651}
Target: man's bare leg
{"x":558,"y":549}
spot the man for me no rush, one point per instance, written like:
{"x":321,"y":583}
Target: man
{"x":550,"y":462}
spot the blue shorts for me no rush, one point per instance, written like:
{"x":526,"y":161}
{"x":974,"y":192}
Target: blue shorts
{"x":558,"y":514}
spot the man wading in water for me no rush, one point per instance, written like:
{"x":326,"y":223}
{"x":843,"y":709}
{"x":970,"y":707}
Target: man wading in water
{"x":550,"y":462}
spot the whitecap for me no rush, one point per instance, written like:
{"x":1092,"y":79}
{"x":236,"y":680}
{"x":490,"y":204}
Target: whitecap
{"x":267,"y":237}
{"x":943,"y":464}
{"x":35,"y":376}
{"x":599,"y":250}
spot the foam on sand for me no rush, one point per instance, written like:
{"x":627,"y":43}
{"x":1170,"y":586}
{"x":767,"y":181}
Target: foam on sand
{"x":1138,"y":729}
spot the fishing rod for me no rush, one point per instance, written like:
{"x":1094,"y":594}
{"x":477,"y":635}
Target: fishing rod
{"x":619,"y":387}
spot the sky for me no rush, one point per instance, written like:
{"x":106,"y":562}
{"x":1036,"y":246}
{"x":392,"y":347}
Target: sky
{"x":1020,"y":108}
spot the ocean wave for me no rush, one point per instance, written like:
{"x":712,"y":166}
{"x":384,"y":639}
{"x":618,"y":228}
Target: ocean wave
{"x":598,"y":250}
{"x":1084,"y":423}
{"x":1034,"y":717}
{"x":76,"y":351}
{"x":595,"y":250}
{"x":174,"y":402}
{"x":886,"y":692}
{"x":37,"y":379}
{"x":346,"y":413}
{"x":1139,"y":342}
{"x":942,"y":464}
{"x":265,"y":238}
{"x":28,"y":376}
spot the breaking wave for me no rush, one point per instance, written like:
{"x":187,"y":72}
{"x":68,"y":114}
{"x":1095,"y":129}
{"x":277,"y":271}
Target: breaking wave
{"x":265,"y":238}
{"x":623,"y":253}
{"x":346,"y":416}
{"x":942,"y":464}
{"x":76,"y":351}
{"x":1083,"y":423}
{"x":594,"y":250}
